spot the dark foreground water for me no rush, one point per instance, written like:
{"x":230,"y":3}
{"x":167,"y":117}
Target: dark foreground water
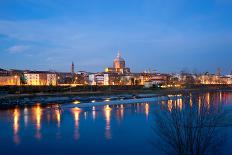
{"x":118,"y":129}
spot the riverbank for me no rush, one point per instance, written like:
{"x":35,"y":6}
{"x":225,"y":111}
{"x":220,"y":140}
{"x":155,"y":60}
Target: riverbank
{"x":9,"y":100}
{"x":88,"y":89}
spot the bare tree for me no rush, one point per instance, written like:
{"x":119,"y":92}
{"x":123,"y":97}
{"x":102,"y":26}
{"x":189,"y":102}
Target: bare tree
{"x":187,"y":127}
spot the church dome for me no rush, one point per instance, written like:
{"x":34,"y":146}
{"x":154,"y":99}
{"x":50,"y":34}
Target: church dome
{"x":119,"y":58}
{"x":119,"y":62}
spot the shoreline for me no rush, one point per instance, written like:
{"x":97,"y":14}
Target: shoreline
{"x":105,"y":93}
{"x":10,"y":100}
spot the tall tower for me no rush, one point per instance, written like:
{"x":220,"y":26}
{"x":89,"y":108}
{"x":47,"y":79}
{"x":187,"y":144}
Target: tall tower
{"x":72,"y":68}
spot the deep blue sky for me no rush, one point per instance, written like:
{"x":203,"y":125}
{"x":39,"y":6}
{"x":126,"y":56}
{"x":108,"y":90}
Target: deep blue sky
{"x":166,"y":35}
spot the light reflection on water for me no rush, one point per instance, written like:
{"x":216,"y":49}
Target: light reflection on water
{"x":94,"y":113}
{"x":37,"y":116}
{"x":107,"y":111}
{"x":58,"y":117}
{"x":147,"y":109}
{"x":25,"y":113}
{"x":107,"y":124}
{"x":76,"y":113}
{"x":16,"y":126}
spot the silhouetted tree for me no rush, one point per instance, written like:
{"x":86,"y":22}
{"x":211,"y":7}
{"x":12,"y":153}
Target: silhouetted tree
{"x":187,"y":127}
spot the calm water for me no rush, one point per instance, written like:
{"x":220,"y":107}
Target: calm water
{"x":119,"y":129}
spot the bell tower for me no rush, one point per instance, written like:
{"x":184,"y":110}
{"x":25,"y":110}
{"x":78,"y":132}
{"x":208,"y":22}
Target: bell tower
{"x":72,"y":68}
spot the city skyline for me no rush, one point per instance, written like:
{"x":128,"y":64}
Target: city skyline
{"x":45,"y":35}
{"x":125,"y":68}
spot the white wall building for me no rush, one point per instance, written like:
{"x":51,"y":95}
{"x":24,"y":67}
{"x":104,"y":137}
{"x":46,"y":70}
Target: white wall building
{"x":96,"y":79}
{"x":51,"y":79}
{"x":32,"y":79}
{"x":40,"y":78}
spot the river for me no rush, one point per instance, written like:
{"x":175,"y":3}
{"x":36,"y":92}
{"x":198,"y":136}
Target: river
{"x":122,"y":128}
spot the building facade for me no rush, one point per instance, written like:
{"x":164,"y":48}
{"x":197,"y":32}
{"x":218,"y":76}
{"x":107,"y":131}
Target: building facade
{"x":39,"y":78}
{"x":9,"y":80}
{"x":119,"y":66}
{"x":96,"y":79}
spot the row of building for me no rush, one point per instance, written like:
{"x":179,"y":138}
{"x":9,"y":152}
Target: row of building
{"x":119,"y":74}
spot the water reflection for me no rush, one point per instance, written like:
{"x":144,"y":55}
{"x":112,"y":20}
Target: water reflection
{"x":220,"y":97}
{"x":25,"y":113}
{"x":169,"y":105}
{"x":119,"y":112}
{"x":94,"y":112}
{"x":46,"y":122}
{"x":107,"y":111}
{"x":193,"y":129}
{"x":58,"y":113}
{"x":191,"y":100}
{"x":76,"y":112}
{"x":16,"y":125}
{"x":37,"y":115}
{"x":147,"y":109}
{"x":180,"y":103}
{"x":208,"y":100}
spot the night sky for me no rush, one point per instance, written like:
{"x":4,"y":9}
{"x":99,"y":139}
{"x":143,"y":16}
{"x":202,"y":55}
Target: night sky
{"x":163,"y":35}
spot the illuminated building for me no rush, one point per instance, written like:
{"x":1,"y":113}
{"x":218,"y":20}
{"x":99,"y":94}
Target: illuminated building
{"x":119,"y":66}
{"x":112,"y":79}
{"x":40,"y":78}
{"x":51,"y":79}
{"x":9,"y":77}
{"x":214,"y":79}
{"x":153,"y":79}
{"x":96,"y":79}
{"x":9,"y":80}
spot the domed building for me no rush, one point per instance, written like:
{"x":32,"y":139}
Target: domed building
{"x":119,"y":66}
{"x":119,"y":62}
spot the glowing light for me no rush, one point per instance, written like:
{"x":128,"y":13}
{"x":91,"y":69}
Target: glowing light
{"x":107,"y":107}
{"x":76,"y":102}
{"x":94,"y":113}
{"x":147,"y":109}
{"x":38,"y":117}
{"x":85,"y":114}
{"x":107,"y":99}
{"x":208,"y":100}
{"x":122,"y":110}
{"x":58,"y":118}
{"x":25,"y":116}
{"x":220,"y":96}
{"x":76,"y":112}
{"x":170,"y":105}
{"x":93,"y":101}
{"x":107,"y":111}
{"x":76,"y":115}
{"x":16,"y":121}
{"x":180,"y":103}
{"x":16,"y":126}
{"x":38,"y":114}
